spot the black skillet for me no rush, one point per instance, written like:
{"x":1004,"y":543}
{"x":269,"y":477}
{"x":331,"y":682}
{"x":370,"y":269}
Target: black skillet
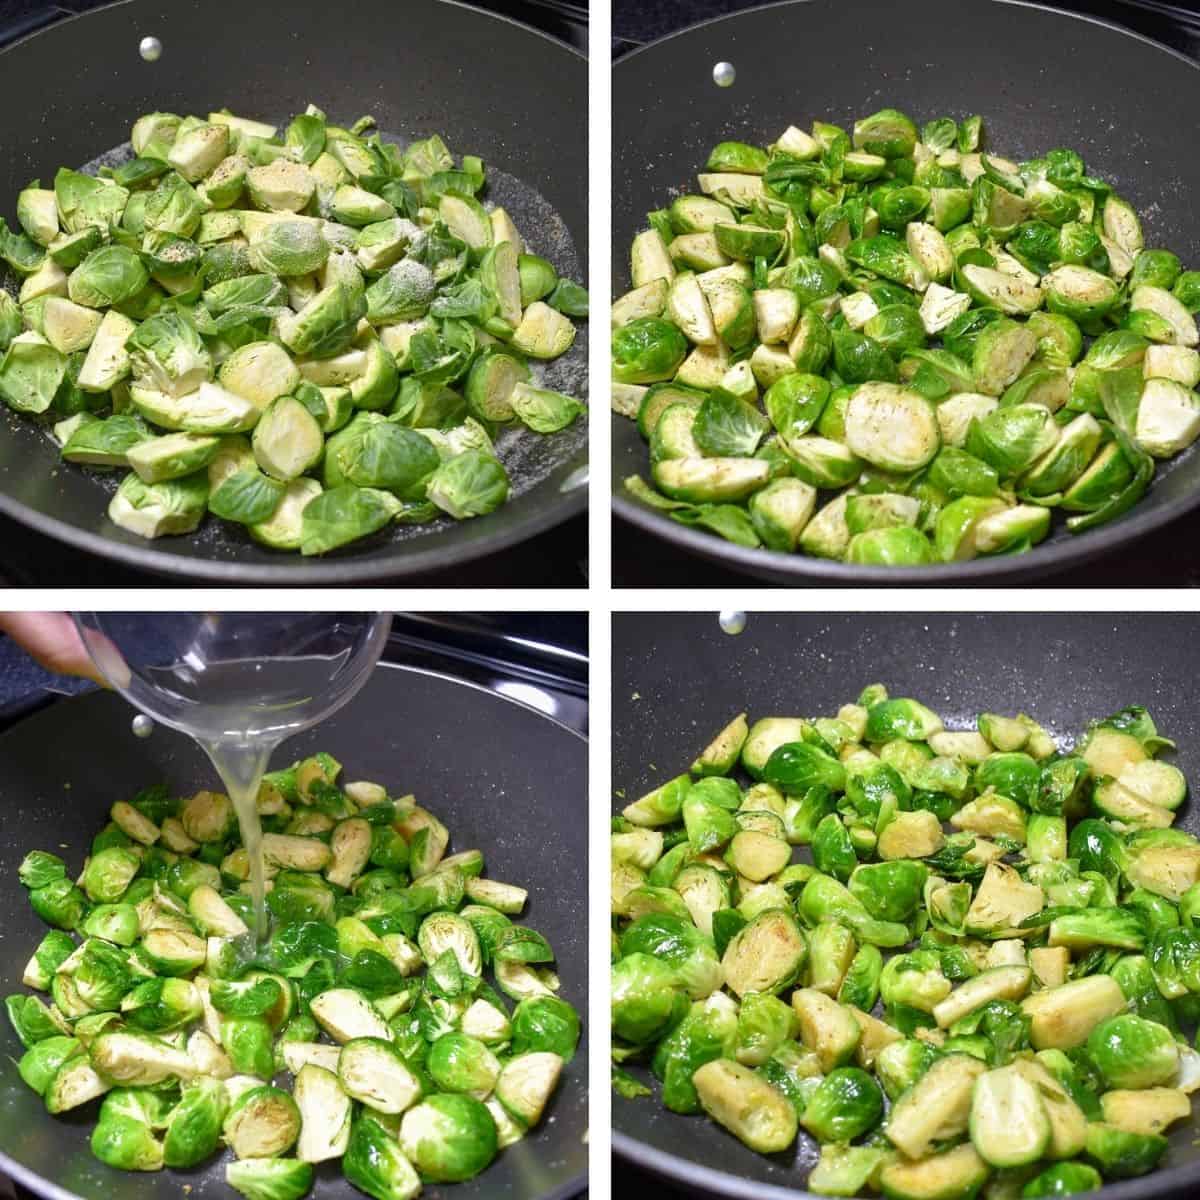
{"x":677,"y":678}
{"x":506,"y":779}
{"x":1041,"y":78}
{"x":487,"y":84}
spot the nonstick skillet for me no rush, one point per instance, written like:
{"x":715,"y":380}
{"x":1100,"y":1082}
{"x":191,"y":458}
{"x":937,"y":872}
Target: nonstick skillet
{"x":489,"y":85}
{"x":1041,"y":78}
{"x":677,"y":678}
{"x":505,"y":778}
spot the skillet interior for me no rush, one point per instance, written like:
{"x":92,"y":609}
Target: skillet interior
{"x":427,"y":66}
{"x":1040,"y":78}
{"x":503,"y":777}
{"x":690,"y":678}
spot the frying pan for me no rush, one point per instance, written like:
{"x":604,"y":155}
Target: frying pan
{"x":489,"y":85}
{"x":503,"y":777}
{"x":690,"y":678}
{"x":1041,"y":78}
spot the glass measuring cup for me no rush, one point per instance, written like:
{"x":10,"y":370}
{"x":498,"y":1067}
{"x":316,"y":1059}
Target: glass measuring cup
{"x":254,"y":676}
{"x":239,"y":683}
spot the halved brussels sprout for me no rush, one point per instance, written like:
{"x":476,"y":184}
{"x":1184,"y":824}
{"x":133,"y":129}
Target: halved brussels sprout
{"x":346,"y":1014}
{"x":448,"y":1138}
{"x":263,"y":1122}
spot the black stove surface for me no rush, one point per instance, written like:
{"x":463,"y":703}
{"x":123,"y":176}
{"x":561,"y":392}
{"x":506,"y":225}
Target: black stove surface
{"x":554,"y":559}
{"x":1162,"y":559}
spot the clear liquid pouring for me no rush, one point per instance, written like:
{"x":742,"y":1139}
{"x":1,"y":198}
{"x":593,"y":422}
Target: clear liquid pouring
{"x":239,"y":709}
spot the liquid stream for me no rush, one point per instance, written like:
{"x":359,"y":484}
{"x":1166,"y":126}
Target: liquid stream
{"x":209,"y":701}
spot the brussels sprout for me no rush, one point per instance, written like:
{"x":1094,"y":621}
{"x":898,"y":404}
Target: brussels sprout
{"x":1121,"y":1154}
{"x":326,"y":324}
{"x":1009,"y":1123}
{"x":860,"y":984}
{"x":846,"y":1105}
{"x":1079,"y":292}
{"x":262,"y":1122}
{"x":957,"y":1172}
{"x":888,"y":133}
{"x":74,"y":1083}
{"x":31,"y":373}
{"x":702,"y":1035}
{"x":374,"y":1163}
{"x":726,"y":426}
{"x":545,"y":333}
{"x":109,"y":873}
{"x":345,"y":1014}
{"x":1131,"y":1052}
{"x":270,"y":1178}
{"x":1168,"y":418}
{"x":373,"y":1072}
{"x":469,"y":485}
{"x":54,"y":948}
{"x":40,"y":867}
{"x":41,"y":1062}
{"x":449,"y":1138}
{"x":746,"y":1105}
{"x":891,"y":427}
{"x":901,"y":1064}
{"x":890,"y":891}
{"x":937,"y":1106}
{"x":30,"y":1019}
{"x":845,"y":1170}
{"x":647,"y":349}
{"x":160,"y":1005}
{"x":193,"y":1131}
{"x":1062,"y":1179}
{"x":826,"y":1027}
{"x":896,"y":545}
{"x":1063,"y":1017}
{"x":796,"y":767}
{"x":526,"y":1084}
{"x":643,"y":997}
{"x":325,"y":1114}
{"x":138,"y":1060}
{"x":458,"y":1063}
{"x":126,"y":1143}
{"x":1145,"y":1111}
{"x":671,"y":939}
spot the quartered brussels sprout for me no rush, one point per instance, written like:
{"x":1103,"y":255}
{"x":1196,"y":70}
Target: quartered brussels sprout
{"x":966,"y":283}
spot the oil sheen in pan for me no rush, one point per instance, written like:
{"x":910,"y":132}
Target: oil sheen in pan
{"x":528,"y":457}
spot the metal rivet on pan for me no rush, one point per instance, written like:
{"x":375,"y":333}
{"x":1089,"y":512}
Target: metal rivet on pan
{"x":150,"y":48}
{"x":724,"y":74}
{"x":578,"y":478}
{"x":731,"y":621}
{"x":143,"y":727}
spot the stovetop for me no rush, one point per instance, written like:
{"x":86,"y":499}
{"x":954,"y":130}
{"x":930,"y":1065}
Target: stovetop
{"x":554,"y":559}
{"x":539,"y":659}
{"x":1161,"y":559}
{"x":637,"y":22}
